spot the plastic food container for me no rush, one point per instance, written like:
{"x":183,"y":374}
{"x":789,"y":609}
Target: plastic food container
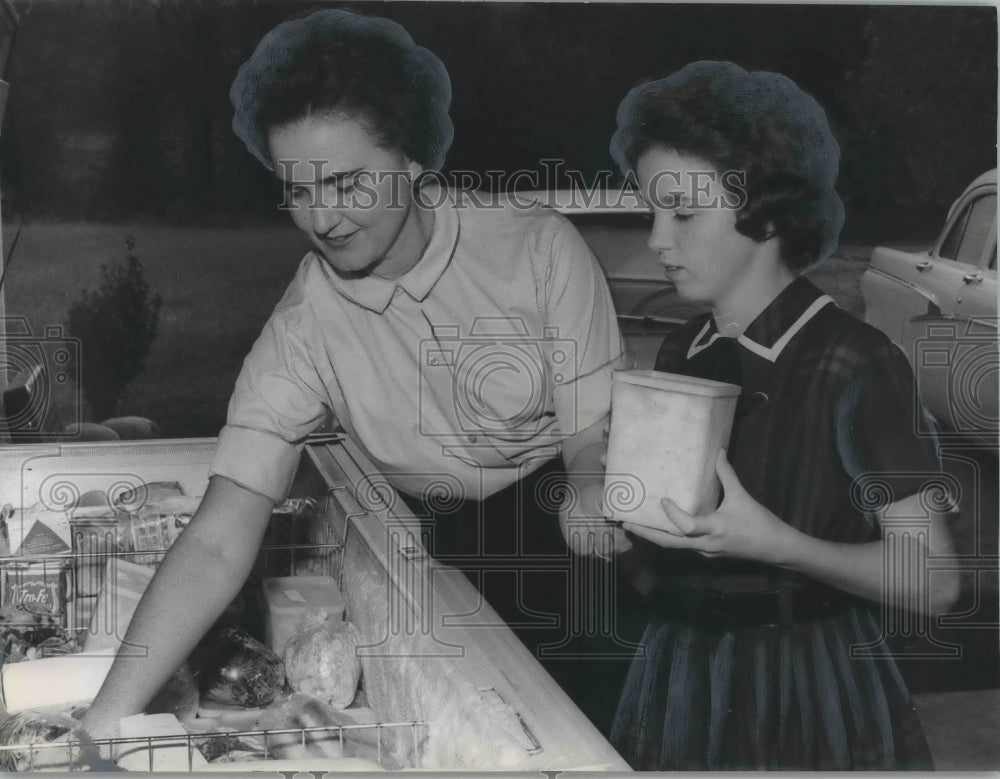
{"x":666,"y":431}
{"x":290,"y":602}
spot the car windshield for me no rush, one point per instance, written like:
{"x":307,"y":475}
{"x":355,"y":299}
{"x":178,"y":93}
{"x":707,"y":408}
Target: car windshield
{"x":967,"y":240}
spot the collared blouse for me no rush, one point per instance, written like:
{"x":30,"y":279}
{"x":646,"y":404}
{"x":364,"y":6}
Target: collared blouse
{"x":468,"y":370}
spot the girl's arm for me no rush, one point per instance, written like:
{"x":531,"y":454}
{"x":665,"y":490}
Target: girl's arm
{"x":741,"y":527}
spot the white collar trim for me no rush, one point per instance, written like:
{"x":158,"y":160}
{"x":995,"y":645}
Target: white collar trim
{"x":769,"y":353}
{"x":700,"y":347}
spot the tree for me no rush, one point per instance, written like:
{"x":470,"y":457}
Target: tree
{"x":116,"y":326}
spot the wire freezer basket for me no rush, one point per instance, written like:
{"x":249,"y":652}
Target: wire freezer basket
{"x":299,"y":541}
{"x":188,"y":752}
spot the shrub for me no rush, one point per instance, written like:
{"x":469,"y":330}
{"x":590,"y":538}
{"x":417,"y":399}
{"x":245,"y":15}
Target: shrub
{"x":116,"y":326}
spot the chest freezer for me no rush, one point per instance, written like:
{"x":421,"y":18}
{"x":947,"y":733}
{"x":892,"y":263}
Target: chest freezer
{"x":448,"y":684}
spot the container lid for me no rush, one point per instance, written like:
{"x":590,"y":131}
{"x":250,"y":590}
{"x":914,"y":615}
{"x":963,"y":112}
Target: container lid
{"x":675,"y":382}
{"x":299,"y":593}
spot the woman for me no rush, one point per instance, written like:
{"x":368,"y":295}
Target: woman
{"x":747,"y":658}
{"x":349,"y":113}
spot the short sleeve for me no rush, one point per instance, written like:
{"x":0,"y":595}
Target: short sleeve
{"x":278,"y":400}
{"x":581,"y":317}
{"x":883,"y":443}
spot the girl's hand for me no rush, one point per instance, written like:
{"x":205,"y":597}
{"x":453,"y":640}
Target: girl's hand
{"x":740,"y":527}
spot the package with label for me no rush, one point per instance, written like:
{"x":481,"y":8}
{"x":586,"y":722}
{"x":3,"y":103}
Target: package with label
{"x":157,"y":525}
{"x":142,"y":495}
{"x":40,"y":581}
{"x":124,"y":584}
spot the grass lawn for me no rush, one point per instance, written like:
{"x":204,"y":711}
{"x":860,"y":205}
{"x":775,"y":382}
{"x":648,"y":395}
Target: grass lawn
{"x":218,"y":285}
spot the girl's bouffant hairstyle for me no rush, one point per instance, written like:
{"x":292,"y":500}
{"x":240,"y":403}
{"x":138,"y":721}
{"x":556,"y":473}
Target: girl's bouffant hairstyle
{"x":759,"y":125}
{"x":338,"y":63}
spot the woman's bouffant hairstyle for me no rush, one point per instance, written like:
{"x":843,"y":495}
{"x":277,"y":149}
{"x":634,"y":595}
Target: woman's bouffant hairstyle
{"x":339,"y":63}
{"x":760,"y":125}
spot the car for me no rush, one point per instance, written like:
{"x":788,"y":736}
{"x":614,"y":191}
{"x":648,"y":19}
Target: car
{"x":616,"y":225}
{"x":940,"y":307}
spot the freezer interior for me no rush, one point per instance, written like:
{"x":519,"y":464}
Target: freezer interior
{"x":444,"y":683}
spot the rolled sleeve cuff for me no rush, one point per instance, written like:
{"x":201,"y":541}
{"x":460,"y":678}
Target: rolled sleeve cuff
{"x":257,"y":460}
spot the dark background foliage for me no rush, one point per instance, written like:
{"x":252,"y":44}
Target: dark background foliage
{"x":116,"y":325}
{"x":119,"y":108}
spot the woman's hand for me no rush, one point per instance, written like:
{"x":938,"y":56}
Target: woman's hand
{"x":740,"y":527}
{"x":91,"y":757}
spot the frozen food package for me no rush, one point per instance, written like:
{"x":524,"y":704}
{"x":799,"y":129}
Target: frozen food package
{"x":40,"y":586}
{"x":225,"y":748}
{"x":52,"y":683}
{"x":322,"y":660}
{"x":123,"y":586}
{"x":37,"y":532}
{"x":157,"y":525}
{"x":142,"y":495}
{"x":237,"y":669}
{"x":666,"y":431}
{"x":291,"y":602}
{"x":41,"y":581}
{"x":161,"y":753}
{"x":27,"y":634}
{"x":35,"y":727}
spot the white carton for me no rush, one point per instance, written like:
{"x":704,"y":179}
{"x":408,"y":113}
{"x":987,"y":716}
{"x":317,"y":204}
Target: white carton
{"x":291,"y":602}
{"x":666,"y":431}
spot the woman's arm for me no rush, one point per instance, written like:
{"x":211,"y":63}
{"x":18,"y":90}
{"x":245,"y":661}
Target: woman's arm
{"x":741,"y":527}
{"x":200,"y":575}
